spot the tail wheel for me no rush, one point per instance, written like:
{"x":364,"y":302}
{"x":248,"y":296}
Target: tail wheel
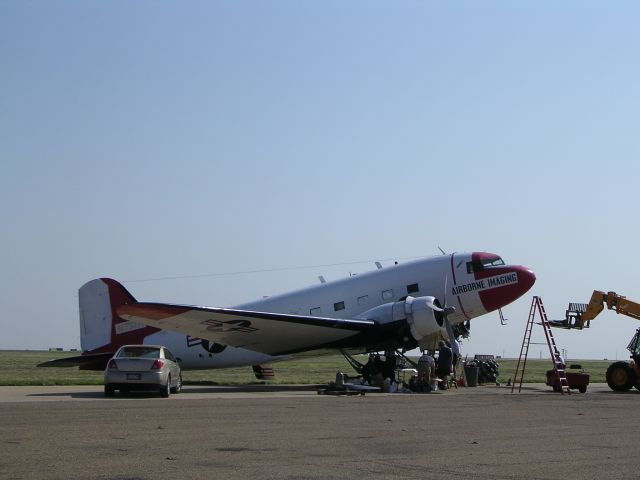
{"x":620,"y":376}
{"x":178,"y":387}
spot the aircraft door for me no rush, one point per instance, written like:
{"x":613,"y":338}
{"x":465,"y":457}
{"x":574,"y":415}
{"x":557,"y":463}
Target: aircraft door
{"x":464,"y":296}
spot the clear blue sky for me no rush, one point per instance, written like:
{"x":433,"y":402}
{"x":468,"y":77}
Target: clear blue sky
{"x":153,"y":139}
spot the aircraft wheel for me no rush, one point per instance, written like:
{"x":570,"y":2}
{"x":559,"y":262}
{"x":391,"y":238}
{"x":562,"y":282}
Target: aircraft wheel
{"x":582,"y":388}
{"x":620,"y":376}
{"x":165,"y":390}
{"x":178,"y":387}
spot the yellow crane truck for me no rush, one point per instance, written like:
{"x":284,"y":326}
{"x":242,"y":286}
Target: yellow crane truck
{"x":621,"y":376}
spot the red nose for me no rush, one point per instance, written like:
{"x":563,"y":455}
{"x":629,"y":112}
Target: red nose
{"x":510,"y":283}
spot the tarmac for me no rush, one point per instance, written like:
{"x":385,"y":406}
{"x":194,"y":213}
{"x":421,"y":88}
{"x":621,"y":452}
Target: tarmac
{"x":290,"y":432}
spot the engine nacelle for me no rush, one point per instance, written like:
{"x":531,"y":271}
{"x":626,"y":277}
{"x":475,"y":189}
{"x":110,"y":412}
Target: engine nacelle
{"x":422,"y":319}
{"x":413,"y":317}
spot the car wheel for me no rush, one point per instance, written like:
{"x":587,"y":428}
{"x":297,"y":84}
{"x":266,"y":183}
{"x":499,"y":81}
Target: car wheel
{"x":165,"y":390}
{"x":178,"y":387}
{"x":109,"y":390}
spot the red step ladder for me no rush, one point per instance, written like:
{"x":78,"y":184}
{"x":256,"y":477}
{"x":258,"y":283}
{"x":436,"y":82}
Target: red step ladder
{"x":558,"y":364}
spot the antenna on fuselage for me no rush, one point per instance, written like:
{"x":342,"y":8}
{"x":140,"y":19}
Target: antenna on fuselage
{"x":443,"y":252}
{"x":321,"y":278}
{"x":379,"y":265}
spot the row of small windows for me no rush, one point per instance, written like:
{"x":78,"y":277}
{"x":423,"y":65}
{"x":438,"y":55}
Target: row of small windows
{"x":364,"y":300}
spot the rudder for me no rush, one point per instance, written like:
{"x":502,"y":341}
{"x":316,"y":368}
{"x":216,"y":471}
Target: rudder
{"x":100,"y":327}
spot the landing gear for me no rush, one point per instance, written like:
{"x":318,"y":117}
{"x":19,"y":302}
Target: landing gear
{"x":178,"y":387}
{"x":377,"y":369}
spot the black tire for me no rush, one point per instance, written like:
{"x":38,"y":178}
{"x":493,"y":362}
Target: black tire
{"x":165,"y":390}
{"x":620,"y":376}
{"x":582,"y":389}
{"x":109,"y":391}
{"x":178,"y":387}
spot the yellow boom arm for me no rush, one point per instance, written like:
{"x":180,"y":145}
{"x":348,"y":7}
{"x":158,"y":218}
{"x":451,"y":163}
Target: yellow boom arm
{"x":613,"y":301}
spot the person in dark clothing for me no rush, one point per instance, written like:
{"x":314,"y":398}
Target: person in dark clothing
{"x":445,"y":364}
{"x":389,"y":368}
{"x":368,"y":370}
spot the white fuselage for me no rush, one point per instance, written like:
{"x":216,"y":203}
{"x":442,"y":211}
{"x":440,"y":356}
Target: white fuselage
{"x":346,"y":298}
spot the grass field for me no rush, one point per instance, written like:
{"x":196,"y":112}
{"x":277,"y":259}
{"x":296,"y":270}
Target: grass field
{"x":19,"y":368}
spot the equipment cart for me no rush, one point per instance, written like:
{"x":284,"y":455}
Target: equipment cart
{"x":576,"y":379}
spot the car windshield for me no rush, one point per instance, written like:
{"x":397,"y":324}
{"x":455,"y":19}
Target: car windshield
{"x":139,"y":352}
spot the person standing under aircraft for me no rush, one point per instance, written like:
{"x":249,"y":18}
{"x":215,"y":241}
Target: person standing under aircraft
{"x":445,"y":364}
{"x":455,"y":348}
{"x":426,"y":371}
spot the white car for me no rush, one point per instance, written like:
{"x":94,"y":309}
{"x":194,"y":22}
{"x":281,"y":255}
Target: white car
{"x":143,"y":367}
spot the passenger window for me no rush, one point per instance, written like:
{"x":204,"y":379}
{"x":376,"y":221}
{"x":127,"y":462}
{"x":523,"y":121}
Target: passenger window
{"x":338,"y":306}
{"x":387,"y":294}
{"x":413,"y":288}
{"x":315,"y":311}
{"x":168,"y":355}
{"x":363,"y":300}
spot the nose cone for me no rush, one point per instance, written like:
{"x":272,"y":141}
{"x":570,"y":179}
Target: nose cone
{"x":512,"y":282}
{"x":526,"y":278}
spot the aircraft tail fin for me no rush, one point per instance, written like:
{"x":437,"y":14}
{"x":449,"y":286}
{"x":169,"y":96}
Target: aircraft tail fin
{"x":101,"y":329}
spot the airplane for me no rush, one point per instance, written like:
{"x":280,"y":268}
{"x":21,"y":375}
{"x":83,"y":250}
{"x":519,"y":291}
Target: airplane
{"x":399,"y":307}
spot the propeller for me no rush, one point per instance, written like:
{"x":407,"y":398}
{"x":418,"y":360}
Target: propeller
{"x":448,"y":310}
{"x":434,"y":304}
{"x":445,"y":310}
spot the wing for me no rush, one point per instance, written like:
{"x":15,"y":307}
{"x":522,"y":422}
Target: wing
{"x":270,"y":333}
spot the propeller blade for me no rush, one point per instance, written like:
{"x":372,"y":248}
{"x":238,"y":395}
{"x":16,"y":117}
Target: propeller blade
{"x":455,"y":346}
{"x":448,"y":310}
{"x":446,"y":280}
{"x":431,"y":304}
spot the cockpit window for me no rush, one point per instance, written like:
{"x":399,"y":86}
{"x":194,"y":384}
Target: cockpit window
{"x":484,"y":263}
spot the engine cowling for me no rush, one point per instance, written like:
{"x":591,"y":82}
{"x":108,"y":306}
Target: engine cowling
{"x":423,"y":320}
{"x":416,"y":320}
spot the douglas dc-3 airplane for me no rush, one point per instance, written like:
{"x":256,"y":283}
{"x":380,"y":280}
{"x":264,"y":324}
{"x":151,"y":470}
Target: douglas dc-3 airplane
{"x":398,"y":307}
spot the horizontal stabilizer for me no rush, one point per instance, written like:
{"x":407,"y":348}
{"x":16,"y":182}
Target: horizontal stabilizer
{"x":91,"y":361}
